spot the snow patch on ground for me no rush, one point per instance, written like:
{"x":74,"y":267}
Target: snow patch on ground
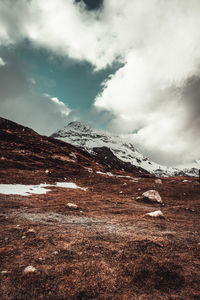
{"x":70,"y":185}
{"x":23,"y":190}
{"x":27,"y":190}
{"x":107,"y":174}
{"x":113,"y":175}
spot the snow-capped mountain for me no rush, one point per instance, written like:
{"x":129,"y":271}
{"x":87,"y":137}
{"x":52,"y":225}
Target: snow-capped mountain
{"x":83,"y":136}
{"x":191,"y":169}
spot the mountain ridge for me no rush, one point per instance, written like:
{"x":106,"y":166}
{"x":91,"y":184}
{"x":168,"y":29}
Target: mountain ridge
{"x":28,"y":157}
{"x":89,"y":139}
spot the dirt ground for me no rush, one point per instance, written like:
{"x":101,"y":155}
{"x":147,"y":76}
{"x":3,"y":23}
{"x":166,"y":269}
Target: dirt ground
{"x":107,"y":248}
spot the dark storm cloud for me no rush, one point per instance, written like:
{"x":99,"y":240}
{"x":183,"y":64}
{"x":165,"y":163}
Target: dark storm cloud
{"x":92,"y":4}
{"x":191,"y":98}
{"x":20,"y":102}
{"x":12,"y":78}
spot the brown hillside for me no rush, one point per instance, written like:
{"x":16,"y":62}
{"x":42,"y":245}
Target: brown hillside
{"x":106,"y":248}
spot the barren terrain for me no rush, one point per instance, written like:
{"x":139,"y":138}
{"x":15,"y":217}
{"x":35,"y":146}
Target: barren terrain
{"x":106,"y":248}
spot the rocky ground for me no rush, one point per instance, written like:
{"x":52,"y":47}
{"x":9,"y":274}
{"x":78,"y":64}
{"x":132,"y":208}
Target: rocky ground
{"x":106,"y":247}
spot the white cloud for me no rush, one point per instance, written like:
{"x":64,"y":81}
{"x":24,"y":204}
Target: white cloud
{"x":158,"y":42}
{"x":32,"y":80}
{"x":2,"y":62}
{"x":146,"y":94}
{"x":63,"y":108}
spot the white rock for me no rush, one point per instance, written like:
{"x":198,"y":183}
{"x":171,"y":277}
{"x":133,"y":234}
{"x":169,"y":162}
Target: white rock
{"x":158,"y":181}
{"x":29,"y":269}
{"x":73,"y":155}
{"x":155,"y":214}
{"x":31,"y":230}
{"x":152,"y":195}
{"x":72,"y":205}
{"x":47,"y":171}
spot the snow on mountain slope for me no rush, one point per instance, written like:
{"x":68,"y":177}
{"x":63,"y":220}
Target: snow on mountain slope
{"x":191,"y":169}
{"x":83,"y":136}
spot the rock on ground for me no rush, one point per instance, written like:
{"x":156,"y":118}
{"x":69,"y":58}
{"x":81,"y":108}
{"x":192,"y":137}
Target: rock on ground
{"x":156,"y":214}
{"x":153,"y":196}
{"x":72,"y":205}
{"x":29,"y":269}
{"x":158,"y":181}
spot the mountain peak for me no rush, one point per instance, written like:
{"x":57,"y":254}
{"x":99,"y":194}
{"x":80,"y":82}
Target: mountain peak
{"x":85,"y":137}
{"x":78,"y":126}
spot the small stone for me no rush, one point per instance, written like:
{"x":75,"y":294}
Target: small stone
{"x":73,"y":155}
{"x":72,"y":205}
{"x":55,"y":252}
{"x":158,"y":181}
{"x":23,"y":237}
{"x":31,"y":230}
{"x":4,"y":272}
{"x":29,"y":269}
{"x":156,"y":214}
{"x":17,"y":227}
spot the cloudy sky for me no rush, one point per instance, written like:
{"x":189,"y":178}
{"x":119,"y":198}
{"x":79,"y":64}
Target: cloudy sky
{"x":131,"y":67}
